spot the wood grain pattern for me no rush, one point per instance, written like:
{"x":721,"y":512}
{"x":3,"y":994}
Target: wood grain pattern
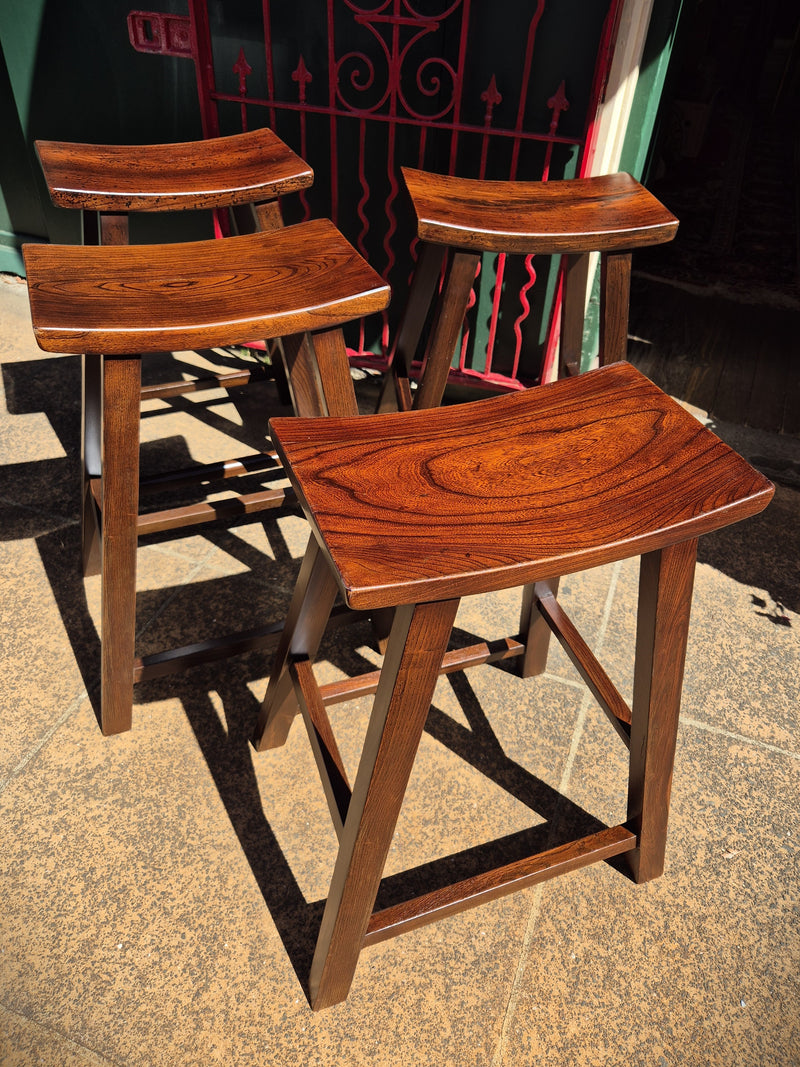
{"x":665,"y":602}
{"x":199,"y":294}
{"x":427,"y":505}
{"x":121,"y":386}
{"x":612,"y":211}
{"x":417,"y":643}
{"x":499,"y":882}
{"x":167,"y":177}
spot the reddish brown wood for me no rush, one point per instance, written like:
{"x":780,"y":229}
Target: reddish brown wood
{"x":665,"y":600}
{"x":573,"y":313}
{"x":231,"y":509}
{"x":197,"y":174}
{"x":615,"y":284}
{"x":205,"y":294}
{"x":447,"y":326}
{"x":334,"y":373}
{"x":416,"y":646}
{"x":198,"y":294}
{"x":91,"y":460}
{"x":258,"y":638}
{"x":499,"y":882}
{"x":203,"y":472}
{"x":514,"y":489}
{"x":114,"y":230}
{"x":533,"y":628}
{"x":305,"y":624}
{"x":323,"y":743}
{"x":396,"y":392}
{"x":164,"y":391}
{"x":302,"y":377}
{"x":575,"y":215}
{"x":583,"y":659}
{"x":121,"y":385}
{"x":457,"y":659}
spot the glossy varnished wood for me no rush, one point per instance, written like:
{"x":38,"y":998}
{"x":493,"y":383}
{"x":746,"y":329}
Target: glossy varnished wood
{"x":575,"y":215}
{"x":198,"y":294}
{"x":514,"y":489}
{"x":218,"y":172}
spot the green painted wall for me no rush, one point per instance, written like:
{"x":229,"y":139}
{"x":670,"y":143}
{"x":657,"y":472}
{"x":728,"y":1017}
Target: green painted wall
{"x":68,"y":72}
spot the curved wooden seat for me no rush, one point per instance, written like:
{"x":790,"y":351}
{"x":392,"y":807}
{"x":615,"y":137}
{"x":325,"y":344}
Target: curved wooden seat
{"x":239,"y":179}
{"x":416,"y":510}
{"x":459,"y":219}
{"x":611,"y":211}
{"x":453,"y":501}
{"x":118,"y":303}
{"x":149,"y":298}
{"x":214,"y":173}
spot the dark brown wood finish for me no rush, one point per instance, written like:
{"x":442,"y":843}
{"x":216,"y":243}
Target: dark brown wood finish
{"x":416,"y":646}
{"x":605,"y":213}
{"x":437,"y":504}
{"x":513,"y":489}
{"x":113,"y":301}
{"x":121,"y":386}
{"x":610,"y":214}
{"x":153,"y":298}
{"x":214,"y":173}
{"x":665,"y":600}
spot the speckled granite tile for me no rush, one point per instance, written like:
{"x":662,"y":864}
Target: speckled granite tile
{"x":743,"y":669}
{"x":41,"y":678}
{"x":698,"y":967}
{"x":153,"y":916}
{"x":24,"y":1043}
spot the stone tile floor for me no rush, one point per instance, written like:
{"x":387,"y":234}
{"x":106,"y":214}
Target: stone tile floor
{"x":159,"y":890}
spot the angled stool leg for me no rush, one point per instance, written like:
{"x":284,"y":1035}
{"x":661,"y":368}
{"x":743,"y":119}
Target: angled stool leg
{"x":534,"y":632}
{"x":122,"y":384}
{"x":305,"y":625}
{"x":417,"y":644}
{"x":573,"y":313}
{"x":615,"y":290}
{"x":91,"y":460}
{"x":449,"y":319}
{"x":665,"y":600}
{"x":396,"y":391}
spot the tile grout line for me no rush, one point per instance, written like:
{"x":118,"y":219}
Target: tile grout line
{"x":63,"y":1039}
{"x":733,"y":736}
{"x":533,"y":914}
{"x":42,"y":742}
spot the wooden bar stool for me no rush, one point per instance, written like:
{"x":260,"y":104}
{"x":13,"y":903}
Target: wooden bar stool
{"x":238,"y":178}
{"x":414,"y":511}
{"x":612,"y":214}
{"x":117,"y":302}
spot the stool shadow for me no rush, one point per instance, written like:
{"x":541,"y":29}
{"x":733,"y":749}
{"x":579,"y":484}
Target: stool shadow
{"x":230,"y":759}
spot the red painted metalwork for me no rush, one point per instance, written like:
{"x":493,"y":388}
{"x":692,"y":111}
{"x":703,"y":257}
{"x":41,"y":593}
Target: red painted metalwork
{"x":405,"y":93}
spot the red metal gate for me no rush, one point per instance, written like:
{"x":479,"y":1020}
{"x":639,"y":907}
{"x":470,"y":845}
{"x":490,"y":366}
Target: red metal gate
{"x":443,"y":85}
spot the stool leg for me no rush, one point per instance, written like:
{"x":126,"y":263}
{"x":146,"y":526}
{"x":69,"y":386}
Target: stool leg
{"x":449,"y":320}
{"x":573,"y":314}
{"x":615,"y":290}
{"x":534,"y":631}
{"x":122,"y":384}
{"x":308,"y":615}
{"x":416,"y":646}
{"x":396,"y":390}
{"x":665,"y":599}
{"x":91,"y":460}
